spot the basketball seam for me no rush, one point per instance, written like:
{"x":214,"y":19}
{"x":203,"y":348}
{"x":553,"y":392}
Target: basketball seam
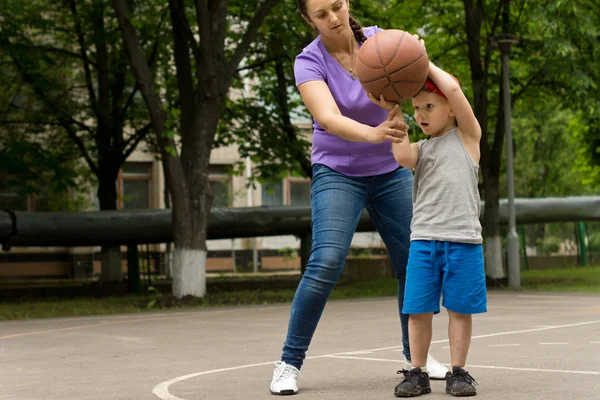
{"x":383,"y":65}
{"x":399,"y":69}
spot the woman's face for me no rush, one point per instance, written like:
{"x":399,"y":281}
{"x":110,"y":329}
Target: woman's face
{"x":329,"y":17}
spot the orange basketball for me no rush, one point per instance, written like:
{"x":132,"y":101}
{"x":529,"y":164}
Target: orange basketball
{"x":392,"y":63}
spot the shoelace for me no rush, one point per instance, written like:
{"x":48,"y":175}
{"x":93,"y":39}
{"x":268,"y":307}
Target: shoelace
{"x":464,"y":376}
{"x":285,"y":371}
{"x":408,"y":375}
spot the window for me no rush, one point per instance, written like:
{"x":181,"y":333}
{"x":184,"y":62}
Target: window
{"x":220,"y":183}
{"x":289,"y":192}
{"x":41,"y":202}
{"x":135,"y":185}
{"x":272,"y":194}
{"x":11,"y":200}
{"x":221,"y":189}
{"x":299,"y":192}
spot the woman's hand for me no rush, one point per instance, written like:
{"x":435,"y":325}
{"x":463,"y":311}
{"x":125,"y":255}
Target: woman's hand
{"x":393,"y":128}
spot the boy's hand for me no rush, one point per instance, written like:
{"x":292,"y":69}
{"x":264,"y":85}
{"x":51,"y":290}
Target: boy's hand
{"x":382,"y":102}
{"x":420,"y":40}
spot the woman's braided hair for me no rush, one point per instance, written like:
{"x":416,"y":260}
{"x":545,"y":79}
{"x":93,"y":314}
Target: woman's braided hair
{"x":356,"y":28}
{"x":359,"y":35}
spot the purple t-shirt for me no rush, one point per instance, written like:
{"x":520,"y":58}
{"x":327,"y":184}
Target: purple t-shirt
{"x":349,"y":158}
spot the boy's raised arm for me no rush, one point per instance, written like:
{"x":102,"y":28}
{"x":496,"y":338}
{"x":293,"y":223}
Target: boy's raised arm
{"x":465,"y":117}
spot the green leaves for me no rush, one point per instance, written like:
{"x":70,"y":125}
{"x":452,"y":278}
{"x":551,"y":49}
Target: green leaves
{"x":65,"y":76}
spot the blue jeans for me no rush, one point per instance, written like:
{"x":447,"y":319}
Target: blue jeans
{"x":337,"y":202}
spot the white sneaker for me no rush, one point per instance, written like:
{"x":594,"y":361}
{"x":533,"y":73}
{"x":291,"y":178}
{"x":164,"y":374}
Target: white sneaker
{"x":284,"y":379}
{"x":436,"y":370}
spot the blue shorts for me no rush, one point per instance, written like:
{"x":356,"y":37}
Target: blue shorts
{"x":454,"y":269}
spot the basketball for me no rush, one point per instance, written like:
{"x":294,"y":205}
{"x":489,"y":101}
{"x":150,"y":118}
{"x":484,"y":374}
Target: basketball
{"x":392,"y":63}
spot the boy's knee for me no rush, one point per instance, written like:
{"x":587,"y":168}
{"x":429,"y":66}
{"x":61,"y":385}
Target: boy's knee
{"x":453,"y":315}
{"x":421,"y":318}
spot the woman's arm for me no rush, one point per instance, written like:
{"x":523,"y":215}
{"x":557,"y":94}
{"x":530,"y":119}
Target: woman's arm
{"x":322,"y":106}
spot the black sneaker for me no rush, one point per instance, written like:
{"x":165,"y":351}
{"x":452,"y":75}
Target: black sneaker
{"x":460,"y":383}
{"x":415,"y":383}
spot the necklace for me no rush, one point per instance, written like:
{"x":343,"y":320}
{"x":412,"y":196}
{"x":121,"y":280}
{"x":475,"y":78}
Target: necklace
{"x":350,"y":70}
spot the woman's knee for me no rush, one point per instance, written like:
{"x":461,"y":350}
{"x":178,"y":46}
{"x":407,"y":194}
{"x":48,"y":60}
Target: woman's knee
{"x":325,"y":265}
{"x":400,"y":274}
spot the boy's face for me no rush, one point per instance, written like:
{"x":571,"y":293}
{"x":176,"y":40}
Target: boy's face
{"x":432,"y":113}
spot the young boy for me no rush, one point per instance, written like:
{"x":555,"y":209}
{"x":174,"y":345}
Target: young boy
{"x":446,"y":255}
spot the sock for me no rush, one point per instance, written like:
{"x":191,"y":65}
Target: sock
{"x":423,"y":369}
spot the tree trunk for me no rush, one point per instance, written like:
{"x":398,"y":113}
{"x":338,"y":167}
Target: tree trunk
{"x":493,"y":239}
{"x":183,"y":232}
{"x":494,"y":266}
{"x":169,"y":251}
{"x":189,"y":261}
{"x":201,"y":103}
{"x":302,"y":159}
{"x":107,"y":189}
{"x":110,"y":256}
{"x":189,"y":270}
{"x":490,"y":154}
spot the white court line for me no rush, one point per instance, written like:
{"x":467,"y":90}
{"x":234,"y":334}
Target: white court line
{"x":566,"y":371}
{"x":534,"y":296}
{"x":479,"y":366}
{"x":552,"y":343}
{"x":162,"y":389}
{"x":595,"y":342}
{"x":109,"y":320}
{"x":504,"y":345}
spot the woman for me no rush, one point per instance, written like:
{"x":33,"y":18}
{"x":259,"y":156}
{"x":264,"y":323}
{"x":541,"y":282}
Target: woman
{"x":353,"y":168}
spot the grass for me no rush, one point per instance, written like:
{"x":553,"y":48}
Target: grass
{"x":575,"y":279}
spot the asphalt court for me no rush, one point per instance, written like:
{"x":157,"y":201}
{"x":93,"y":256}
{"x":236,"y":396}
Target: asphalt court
{"x":527,"y":346}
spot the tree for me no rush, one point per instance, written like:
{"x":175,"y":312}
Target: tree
{"x":72,"y":63}
{"x":49,"y":171}
{"x":555,"y":59}
{"x":580,"y":37}
{"x":29,"y":166}
{"x":548,"y":157}
{"x":205,"y":68}
{"x":260,"y":119}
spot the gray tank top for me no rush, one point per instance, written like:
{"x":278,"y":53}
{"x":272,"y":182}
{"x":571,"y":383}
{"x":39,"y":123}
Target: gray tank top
{"x":446,"y":203}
